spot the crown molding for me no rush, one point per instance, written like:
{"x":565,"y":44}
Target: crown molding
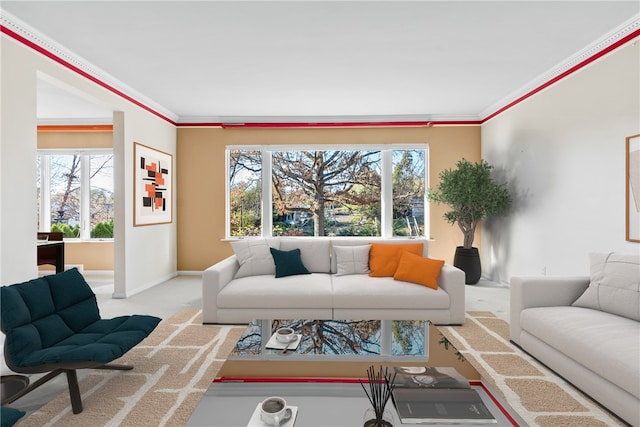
{"x":24,"y":33}
{"x":327,"y":121}
{"x":617,"y":37}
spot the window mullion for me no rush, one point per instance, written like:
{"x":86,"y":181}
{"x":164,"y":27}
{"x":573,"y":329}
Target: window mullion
{"x":227,"y":197}
{"x":267,"y":193}
{"x":45,"y":193}
{"x":386,"y":196}
{"x":85,"y":197}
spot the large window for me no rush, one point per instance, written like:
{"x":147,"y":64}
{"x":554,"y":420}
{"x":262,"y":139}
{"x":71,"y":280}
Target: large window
{"x":313,"y":191}
{"x":75,"y":193}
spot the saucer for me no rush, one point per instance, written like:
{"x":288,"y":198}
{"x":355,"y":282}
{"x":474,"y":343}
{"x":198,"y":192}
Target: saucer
{"x":255,"y":420}
{"x":274,"y":344}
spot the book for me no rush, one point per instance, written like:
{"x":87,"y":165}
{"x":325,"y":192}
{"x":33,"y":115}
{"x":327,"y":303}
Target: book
{"x":437,"y":396}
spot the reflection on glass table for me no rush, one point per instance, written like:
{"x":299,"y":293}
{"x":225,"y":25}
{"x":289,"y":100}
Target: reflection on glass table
{"x":322,"y":403}
{"x":339,"y":338}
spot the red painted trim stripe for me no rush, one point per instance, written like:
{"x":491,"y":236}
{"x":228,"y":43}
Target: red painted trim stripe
{"x":75,"y":128}
{"x":77,"y":70}
{"x":529,"y":94}
{"x":289,"y":380}
{"x":570,"y":71}
{"x":289,"y":125}
{"x":498,"y":404}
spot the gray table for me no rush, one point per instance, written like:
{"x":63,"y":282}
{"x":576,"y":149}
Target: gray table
{"x":320,"y":404}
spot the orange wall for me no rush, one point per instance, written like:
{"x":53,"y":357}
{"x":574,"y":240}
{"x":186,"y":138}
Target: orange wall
{"x":200,"y":178}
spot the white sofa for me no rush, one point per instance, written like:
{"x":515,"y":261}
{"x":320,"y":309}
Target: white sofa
{"x":325,"y":294}
{"x":586,"y":329}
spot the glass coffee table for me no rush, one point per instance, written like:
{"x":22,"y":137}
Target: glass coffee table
{"x":321,"y":377}
{"x":341,"y":348}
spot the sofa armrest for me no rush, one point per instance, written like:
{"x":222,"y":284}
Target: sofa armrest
{"x":214,"y":279}
{"x":541,"y":291}
{"x":451,"y":280}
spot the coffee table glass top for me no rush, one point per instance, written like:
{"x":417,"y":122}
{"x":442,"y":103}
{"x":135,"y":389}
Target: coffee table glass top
{"x":349,"y":338}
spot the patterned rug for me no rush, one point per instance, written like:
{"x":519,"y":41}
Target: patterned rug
{"x":539,"y":396}
{"x":173,"y":368}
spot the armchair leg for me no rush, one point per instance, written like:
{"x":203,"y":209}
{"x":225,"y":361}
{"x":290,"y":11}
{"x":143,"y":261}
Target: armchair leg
{"x":74,"y":391}
{"x":33,"y":386}
{"x":115,"y":366}
{"x":72,"y":381}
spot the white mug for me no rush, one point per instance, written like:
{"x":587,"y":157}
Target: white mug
{"x":274,"y":410}
{"x":285,"y":335}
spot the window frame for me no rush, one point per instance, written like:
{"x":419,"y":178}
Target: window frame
{"x":85,"y":188}
{"x":386,"y":176}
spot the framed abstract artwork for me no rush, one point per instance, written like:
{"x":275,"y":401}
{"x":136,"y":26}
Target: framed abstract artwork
{"x":633,"y":188}
{"x":153,"y":180}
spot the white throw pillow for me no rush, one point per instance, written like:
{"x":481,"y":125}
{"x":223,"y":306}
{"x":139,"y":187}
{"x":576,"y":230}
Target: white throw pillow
{"x":314,"y":251}
{"x":615,"y":285}
{"x":254,"y":257}
{"x":352,"y":259}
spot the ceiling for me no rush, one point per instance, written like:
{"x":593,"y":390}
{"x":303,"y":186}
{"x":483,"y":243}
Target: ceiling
{"x":241,"y":61}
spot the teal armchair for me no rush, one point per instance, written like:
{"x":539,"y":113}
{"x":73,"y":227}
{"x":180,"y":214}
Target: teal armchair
{"x":53,"y":326}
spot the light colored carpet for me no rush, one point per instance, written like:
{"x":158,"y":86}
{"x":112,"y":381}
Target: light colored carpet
{"x":539,"y":396}
{"x":173,"y":368}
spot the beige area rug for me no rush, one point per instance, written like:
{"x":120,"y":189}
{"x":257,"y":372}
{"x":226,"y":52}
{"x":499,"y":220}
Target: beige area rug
{"x":539,"y":396}
{"x":173,"y":367}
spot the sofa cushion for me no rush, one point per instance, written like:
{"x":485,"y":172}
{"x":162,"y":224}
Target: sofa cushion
{"x":254,"y":257}
{"x":384,"y":257}
{"x":351,"y":259}
{"x":315,"y":252}
{"x":614,"y":286}
{"x":417,"y":269}
{"x":604,"y":343}
{"x":310,"y":291}
{"x":288,"y":263}
{"x":362,"y":291}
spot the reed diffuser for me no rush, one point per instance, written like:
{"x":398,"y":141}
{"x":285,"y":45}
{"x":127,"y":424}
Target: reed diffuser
{"x":379,"y":393}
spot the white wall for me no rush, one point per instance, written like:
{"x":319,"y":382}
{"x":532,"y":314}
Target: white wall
{"x":145,"y":256}
{"x":18,"y":140}
{"x":563,"y":152}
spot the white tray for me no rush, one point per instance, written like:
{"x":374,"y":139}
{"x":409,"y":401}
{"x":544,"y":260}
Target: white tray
{"x":255,"y":420}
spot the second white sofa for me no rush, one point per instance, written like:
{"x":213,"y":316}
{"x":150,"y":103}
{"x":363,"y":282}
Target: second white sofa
{"x":586,"y":329}
{"x":230,"y":295}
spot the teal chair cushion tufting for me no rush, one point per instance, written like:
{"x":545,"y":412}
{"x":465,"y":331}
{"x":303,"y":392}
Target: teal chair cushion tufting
{"x":53,"y":325}
{"x":56,"y":319}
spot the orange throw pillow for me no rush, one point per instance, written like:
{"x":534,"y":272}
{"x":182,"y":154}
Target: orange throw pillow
{"x":416,"y":269}
{"x":384,"y":258}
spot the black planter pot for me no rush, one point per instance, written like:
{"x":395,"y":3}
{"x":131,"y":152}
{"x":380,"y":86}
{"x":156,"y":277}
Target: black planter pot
{"x":468,"y":260}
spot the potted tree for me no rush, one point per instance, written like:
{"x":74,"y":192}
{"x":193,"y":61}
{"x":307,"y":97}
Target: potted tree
{"x":472,"y":194}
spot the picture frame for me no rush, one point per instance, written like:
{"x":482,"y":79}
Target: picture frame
{"x":153,"y":186}
{"x":632,"y":184}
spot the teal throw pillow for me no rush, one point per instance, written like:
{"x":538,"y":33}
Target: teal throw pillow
{"x":288,"y":263}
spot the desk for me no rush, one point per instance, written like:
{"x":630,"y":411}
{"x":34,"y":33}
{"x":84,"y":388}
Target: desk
{"x":51,"y":252}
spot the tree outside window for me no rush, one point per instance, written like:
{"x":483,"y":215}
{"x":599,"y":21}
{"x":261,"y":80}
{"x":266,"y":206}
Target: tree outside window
{"x":75,"y":194}
{"x":325,"y":192}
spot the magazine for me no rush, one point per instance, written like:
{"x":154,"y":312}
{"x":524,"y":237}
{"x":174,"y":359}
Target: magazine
{"x":428,"y":395}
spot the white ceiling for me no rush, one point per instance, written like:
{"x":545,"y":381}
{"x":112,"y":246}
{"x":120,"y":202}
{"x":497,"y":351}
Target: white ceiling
{"x":217,"y":61}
